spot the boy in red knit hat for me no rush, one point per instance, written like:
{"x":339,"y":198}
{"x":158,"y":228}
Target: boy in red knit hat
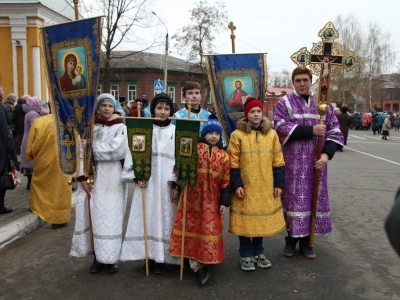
{"x":257,"y":180}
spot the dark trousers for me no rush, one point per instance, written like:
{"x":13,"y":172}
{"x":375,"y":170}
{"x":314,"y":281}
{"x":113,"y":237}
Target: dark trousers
{"x":250,"y":246}
{"x":2,"y":196}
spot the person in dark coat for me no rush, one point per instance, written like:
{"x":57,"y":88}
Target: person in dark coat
{"x":344,"y":122}
{"x":357,"y":121}
{"x":18,"y":119}
{"x":7,"y":150}
{"x":375,"y":122}
{"x":392,"y":224}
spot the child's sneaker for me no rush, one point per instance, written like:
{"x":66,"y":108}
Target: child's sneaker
{"x":262,"y":261}
{"x":247,"y":264}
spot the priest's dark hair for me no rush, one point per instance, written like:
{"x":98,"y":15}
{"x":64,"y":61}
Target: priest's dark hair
{"x":300,"y":71}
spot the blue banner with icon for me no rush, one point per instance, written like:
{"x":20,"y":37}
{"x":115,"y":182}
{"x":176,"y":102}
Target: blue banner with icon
{"x":233,"y":78}
{"x":72,"y":55}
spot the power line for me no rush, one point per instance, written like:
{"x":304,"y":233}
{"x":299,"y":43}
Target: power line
{"x":68,"y":5}
{"x":250,"y":45}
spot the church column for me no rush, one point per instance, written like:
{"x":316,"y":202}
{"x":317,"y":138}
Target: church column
{"x":25,"y":66}
{"x":18,"y":24}
{"x":37,"y":86}
{"x":15,"y":66}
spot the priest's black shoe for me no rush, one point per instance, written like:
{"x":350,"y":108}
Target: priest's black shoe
{"x":58,"y":226}
{"x":5,"y":210}
{"x":203,"y":275}
{"x":96,"y":266}
{"x":112,"y":268}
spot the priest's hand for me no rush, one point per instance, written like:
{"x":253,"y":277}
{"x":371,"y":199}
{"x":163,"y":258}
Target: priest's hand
{"x":240,"y":192}
{"x":222,"y":209}
{"x":277,"y":192}
{"x":86,"y":187}
{"x":319,"y":129}
{"x":322,"y":162}
{"x":174,"y":194}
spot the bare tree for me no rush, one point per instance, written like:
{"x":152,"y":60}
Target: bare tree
{"x":374,"y":47}
{"x":122,"y":18}
{"x":281,"y":79}
{"x":197,"y":38}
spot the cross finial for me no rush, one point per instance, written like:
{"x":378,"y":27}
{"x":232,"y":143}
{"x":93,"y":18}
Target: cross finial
{"x":232,"y":27}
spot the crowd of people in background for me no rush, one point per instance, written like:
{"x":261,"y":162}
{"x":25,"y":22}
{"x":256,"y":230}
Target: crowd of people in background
{"x":378,"y":122}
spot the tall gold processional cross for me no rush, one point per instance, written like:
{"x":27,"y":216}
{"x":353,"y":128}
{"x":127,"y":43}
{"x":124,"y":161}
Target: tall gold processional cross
{"x":326,"y":59}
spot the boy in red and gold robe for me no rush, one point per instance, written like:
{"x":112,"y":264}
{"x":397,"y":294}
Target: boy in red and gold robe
{"x":206,"y":203}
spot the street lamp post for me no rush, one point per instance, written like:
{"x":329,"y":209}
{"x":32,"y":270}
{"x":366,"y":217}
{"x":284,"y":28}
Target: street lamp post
{"x":165,"y":56}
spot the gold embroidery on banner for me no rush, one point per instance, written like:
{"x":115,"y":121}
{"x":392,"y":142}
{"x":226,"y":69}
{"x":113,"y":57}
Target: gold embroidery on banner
{"x":144,"y":155}
{"x":185,"y":162}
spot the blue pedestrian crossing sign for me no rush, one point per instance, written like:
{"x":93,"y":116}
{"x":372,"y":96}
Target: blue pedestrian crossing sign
{"x":158,"y":85}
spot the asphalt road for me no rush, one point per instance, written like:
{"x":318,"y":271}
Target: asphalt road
{"x":354,"y":262}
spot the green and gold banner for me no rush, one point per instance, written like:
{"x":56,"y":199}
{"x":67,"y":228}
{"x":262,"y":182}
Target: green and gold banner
{"x":187,"y":135}
{"x":140,"y":135}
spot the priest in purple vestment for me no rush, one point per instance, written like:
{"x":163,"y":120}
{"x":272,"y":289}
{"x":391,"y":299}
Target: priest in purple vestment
{"x":296,"y":120}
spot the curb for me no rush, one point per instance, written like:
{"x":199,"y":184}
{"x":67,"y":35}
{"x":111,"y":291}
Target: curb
{"x":19,"y":228}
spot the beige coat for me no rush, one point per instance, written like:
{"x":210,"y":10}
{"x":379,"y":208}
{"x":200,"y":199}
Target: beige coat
{"x":386,"y":124}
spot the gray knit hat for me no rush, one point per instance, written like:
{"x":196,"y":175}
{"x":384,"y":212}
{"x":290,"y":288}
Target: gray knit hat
{"x":106,"y":97}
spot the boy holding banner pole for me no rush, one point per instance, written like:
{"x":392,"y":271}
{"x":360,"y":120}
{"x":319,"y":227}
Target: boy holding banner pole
{"x":187,"y":134}
{"x":108,"y":194}
{"x":152,"y":143}
{"x":197,"y":232}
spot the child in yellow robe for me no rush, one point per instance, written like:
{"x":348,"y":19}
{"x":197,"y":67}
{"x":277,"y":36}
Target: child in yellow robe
{"x":257,"y":178}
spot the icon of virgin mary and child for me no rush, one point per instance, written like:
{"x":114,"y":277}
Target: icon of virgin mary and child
{"x":73,"y":78}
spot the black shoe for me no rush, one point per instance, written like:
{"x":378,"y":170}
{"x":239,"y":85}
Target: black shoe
{"x":5,"y":210}
{"x":290,"y":246}
{"x":159,"y":268}
{"x":203,"y":275}
{"x":308,"y":252}
{"x":112,"y":268}
{"x":151,"y":266}
{"x":305,"y":248}
{"x":96,"y":266}
{"x":58,"y":226}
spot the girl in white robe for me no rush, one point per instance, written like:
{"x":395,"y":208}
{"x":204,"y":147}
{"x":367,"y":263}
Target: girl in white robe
{"x":108,"y":195}
{"x":161,"y":195}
